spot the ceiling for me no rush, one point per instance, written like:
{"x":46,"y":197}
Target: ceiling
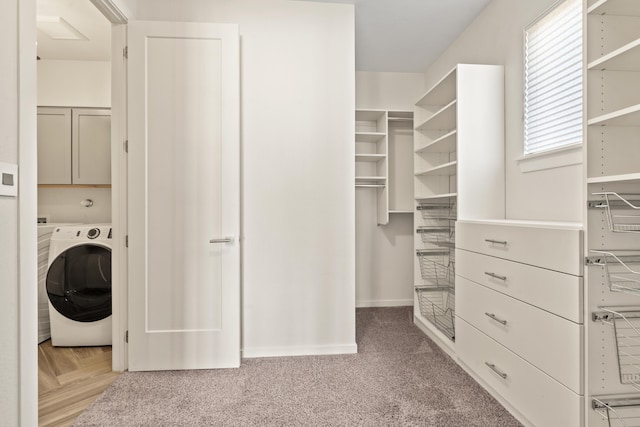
{"x":85,"y":18}
{"x":391,"y":35}
{"x":407,"y":35}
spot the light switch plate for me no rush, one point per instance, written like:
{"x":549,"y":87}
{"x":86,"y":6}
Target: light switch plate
{"x":8,"y":180}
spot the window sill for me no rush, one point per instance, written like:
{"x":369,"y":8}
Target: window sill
{"x":561,"y":157}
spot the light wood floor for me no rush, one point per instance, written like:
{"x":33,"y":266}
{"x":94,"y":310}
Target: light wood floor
{"x":69,"y":380}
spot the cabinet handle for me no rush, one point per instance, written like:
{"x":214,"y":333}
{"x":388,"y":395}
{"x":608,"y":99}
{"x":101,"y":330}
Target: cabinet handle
{"x":495,"y":276}
{"x":497,"y":242}
{"x":222,"y":240}
{"x":493,"y":316}
{"x":496,"y":370}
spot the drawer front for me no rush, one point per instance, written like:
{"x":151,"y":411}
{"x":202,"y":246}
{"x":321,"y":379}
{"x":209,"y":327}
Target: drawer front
{"x":541,"y":399}
{"x":556,"y":249}
{"x":558,"y":293}
{"x":547,"y":341}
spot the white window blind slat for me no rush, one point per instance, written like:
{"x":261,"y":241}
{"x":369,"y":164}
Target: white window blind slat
{"x":553,"y":89}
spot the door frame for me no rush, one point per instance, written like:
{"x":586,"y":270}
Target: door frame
{"x":27,"y":200}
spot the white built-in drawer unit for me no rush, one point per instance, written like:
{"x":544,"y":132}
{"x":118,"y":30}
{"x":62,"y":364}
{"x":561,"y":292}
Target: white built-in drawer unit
{"x":547,"y":341}
{"x":535,"y":395}
{"x":555,"y":292}
{"x":552,"y":247}
{"x":519,"y":315}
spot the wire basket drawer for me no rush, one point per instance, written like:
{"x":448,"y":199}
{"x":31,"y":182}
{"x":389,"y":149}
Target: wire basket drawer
{"x":440,"y":236}
{"x":618,"y":411}
{"x":437,"y":305}
{"x":437,"y":266}
{"x":623,"y":211}
{"x":622,"y":270}
{"x":438,"y":211}
{"x":626,"y":327}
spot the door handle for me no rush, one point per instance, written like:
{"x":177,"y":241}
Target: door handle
{"x":222,"y":240}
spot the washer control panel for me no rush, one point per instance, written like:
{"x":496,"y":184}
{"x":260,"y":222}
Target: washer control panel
{"x":80,"y":232}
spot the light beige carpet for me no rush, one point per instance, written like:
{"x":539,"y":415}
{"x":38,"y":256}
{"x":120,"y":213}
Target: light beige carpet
{"x":399,"y":377}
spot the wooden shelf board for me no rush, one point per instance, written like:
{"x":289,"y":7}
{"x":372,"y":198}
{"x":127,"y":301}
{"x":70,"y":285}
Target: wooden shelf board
{"x":447,"y":169}
{"x":626,"y":178}
{"x":443,"y":119}
{"x":369,"y":136}
{"x":615,"y":7}
{"x":369,"y":115}
{"x":371,"y":178}
{"x":445,"y":144}
{"x":626,"y":58}
{"x":370,"y":157}
{"x":434,"y":197}
{"x":442,"y":92}
{"x":629,"y":116}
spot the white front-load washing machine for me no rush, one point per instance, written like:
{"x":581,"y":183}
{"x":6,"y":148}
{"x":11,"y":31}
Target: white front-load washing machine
{"x":79,"y":285}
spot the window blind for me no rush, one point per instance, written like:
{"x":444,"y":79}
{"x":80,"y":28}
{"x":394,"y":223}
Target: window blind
{"x":553,"y":79}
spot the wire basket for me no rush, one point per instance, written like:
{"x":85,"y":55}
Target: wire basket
{"x":619,"y":273}
{"x":626,"y":327}
{"x":437,"y":305}
{"x":618,"y":412}
{"x":623,"y":213}
{"x":437,"y":267}
{"x":440,"y":236}
{"x":438,"y":211}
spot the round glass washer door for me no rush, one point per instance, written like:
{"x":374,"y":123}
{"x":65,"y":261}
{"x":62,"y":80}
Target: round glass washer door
{"x":79,"y":283}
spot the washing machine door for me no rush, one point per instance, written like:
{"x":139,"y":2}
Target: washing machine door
{"x":79,"y":283}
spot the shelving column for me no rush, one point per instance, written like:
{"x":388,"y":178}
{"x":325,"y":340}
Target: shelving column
{"x":612,"y":218}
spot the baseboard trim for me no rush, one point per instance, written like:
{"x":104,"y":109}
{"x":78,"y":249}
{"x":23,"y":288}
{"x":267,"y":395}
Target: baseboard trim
{"x":384,"y":303}
{"x":436,"y":336}
{"x":319,"y":350}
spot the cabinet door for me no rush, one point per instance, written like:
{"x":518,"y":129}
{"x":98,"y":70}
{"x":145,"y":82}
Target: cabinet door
{"x":91,"y":141}
{"x":54,"y":146}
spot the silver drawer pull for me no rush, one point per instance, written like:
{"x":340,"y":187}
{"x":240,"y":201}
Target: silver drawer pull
{"x":222,"y":240}
{"x":496,"y":370}
{"x":495,"y":276}
{"x":493,"y":316}
{"x":497,"y":242}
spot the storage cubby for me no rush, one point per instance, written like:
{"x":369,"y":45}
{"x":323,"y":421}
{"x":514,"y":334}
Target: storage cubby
{"x":612,"y":244}
{"x":383,"y":155}
{"x":458,"y":173}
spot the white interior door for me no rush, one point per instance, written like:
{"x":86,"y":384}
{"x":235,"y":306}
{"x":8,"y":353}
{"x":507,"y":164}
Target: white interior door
{"x":184,"y":254}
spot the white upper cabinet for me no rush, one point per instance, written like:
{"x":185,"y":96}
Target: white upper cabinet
{"x":74,"y":146}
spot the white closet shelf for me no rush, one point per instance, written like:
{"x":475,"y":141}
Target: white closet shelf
{"x":371,"y":178}
{"x":443,"y":119}
{"x":629,"y":116}
{"x":443,"y":92}
{"x":370,"y":157}
{"x":630,"y":178}
{"x":446,"y":169}
{"x":369,"y":136}
{"x":445,"y":144}
{"x":400,"y":211}
{"x":615,"y":7}
{"x":369,"y":115}
{"x":435,"y":197}
{"x":626,"y":58}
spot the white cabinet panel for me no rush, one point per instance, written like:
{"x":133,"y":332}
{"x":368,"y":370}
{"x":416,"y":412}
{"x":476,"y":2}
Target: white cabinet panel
{"x":555,"y":292}
{"x":91,"y":146}
{"x":537,"y":396}
{"x":54,"y":146}
{"x":531,"y":333}
{"x":552,"y":248}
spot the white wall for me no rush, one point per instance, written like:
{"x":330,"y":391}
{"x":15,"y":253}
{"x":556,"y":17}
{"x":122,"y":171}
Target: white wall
{"x":384,"y":254}
{"x":74,"y":83}
{"x":496,"y":37}
{"x":297,"y":103}
{"x":18,"y":358}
